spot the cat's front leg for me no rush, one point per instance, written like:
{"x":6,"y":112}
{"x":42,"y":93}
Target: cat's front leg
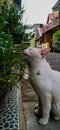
{"x":46,"y":107}
{"x":38,"y":108}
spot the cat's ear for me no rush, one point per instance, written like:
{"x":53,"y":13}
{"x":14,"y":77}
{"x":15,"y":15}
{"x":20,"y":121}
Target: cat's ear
{"x":45,"y":51}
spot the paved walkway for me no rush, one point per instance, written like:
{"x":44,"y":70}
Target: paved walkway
{"x":32,"y":122}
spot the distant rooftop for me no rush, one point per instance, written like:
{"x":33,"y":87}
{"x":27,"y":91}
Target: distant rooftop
{"x":39,"y":24}
{"x":56,"y":6}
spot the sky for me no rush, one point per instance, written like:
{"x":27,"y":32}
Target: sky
{"x":36,"y":11}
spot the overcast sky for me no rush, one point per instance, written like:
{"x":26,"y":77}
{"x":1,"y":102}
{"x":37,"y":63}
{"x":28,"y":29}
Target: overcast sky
{"x":36,"y":11}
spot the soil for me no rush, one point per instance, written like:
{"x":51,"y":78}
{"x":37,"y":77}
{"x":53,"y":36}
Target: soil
{"x":28,"y":94}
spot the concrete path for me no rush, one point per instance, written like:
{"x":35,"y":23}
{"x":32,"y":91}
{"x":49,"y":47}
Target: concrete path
{"x":32,"y":122}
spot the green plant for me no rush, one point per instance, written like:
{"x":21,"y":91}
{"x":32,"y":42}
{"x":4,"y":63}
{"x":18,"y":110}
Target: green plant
{"x":6,"y":57}
{"x":56,"y":37}
{"x":13,"y":15}
{"x":10,"y":21}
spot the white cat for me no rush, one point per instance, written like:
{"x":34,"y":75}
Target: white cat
{"x":45,"y":82}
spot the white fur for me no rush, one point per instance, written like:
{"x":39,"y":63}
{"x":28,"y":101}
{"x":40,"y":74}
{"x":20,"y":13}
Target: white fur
{"x":46,"y":83}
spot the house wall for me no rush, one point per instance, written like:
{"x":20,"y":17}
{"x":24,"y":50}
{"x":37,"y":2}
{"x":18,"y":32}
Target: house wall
{"x":48,"y":36}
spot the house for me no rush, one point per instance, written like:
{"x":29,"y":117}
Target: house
{"x":52,"y":25}
{"x":56,"y":6}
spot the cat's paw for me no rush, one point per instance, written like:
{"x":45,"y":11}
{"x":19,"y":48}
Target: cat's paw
{"x":36,"y":106}
{"x":36,"y":112}
{"x":43,"y":121}
{"x":56,"y":117}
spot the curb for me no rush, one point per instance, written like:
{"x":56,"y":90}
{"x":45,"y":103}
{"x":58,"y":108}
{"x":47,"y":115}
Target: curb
{"x":22,"y":123}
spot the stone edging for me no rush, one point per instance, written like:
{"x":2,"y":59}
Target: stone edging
{"x":11,"y":110}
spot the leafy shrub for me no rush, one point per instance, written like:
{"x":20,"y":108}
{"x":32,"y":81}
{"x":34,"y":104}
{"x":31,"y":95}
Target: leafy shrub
{"x":57,"y":40}
{"x":10,"y":22}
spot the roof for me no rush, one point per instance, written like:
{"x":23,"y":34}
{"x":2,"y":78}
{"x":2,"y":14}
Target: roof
{"x":52,"y":22}
{"x":52,"y":16}
{"x":38,"y":24}
{"x":47,"y":28}
{"x":56,"y":6}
